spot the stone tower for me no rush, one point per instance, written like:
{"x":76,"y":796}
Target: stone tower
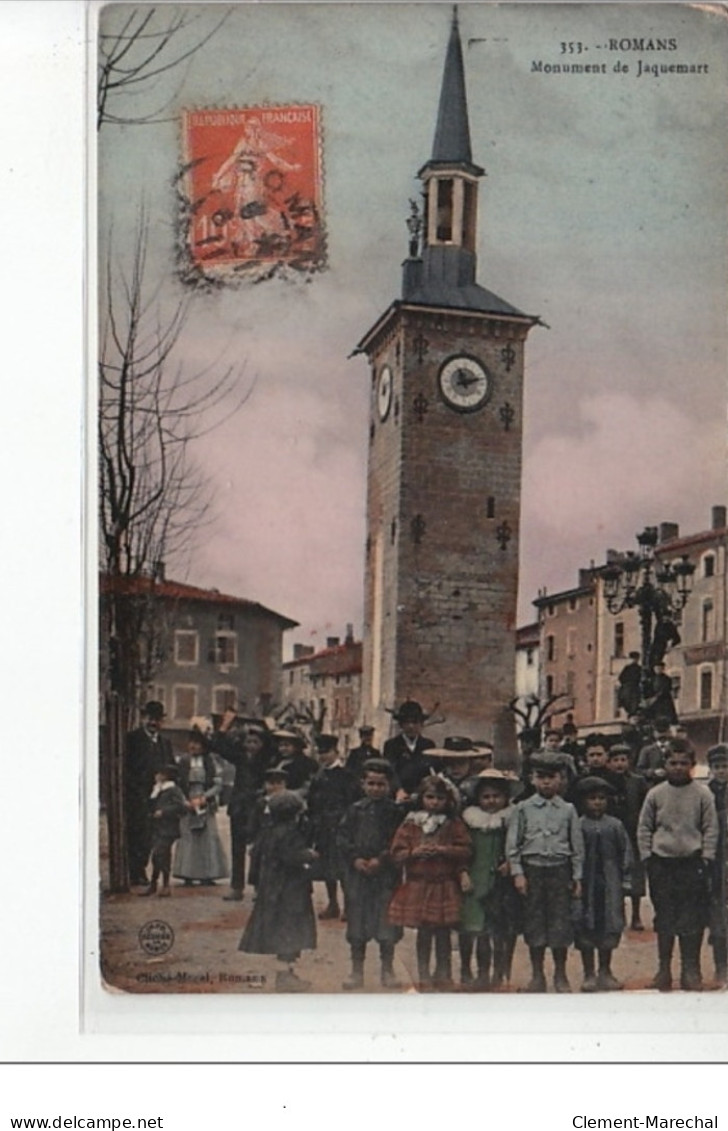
{"x":444,"y":480}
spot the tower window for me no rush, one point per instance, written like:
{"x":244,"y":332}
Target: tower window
{"x":706,"y":627}
{"x":469,"y":206}
{"x":491,"y":507}
{"x":619,"y":639}
{"x":550,"y":649}
{"x":444,"y":210}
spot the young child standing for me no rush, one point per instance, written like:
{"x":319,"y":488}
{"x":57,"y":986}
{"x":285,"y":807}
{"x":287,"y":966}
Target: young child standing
{"x":607,"y":860}
{"x":545,"y":851}
{"x":168,"y":804}
{"x":282,"y":921}
{"x":333,"y":789}
{"x":488,"y":920}
{"x":433,"y":845}
{"x":677,"y":836}
{"x":629,"y":793}
{"x":364,"y":836}
{"x":718,"y":786}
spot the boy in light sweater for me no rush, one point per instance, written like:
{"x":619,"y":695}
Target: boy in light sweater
{"x":677,"y":836}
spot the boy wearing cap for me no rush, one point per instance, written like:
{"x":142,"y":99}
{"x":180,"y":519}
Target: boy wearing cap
{"x":607,"y":860}
{"x":677,"y":834}
{"x":299,"y":768}
{"x":718,"y":786}
{"x":364,"y":836}
{"x":366,"y":749}
{"x":333,"y":789}
{"x":167,"y":805}
{"x":545,"y":852}
{"x":629,"y":793}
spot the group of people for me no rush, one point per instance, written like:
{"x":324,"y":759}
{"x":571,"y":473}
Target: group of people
{"x":442,"y":841}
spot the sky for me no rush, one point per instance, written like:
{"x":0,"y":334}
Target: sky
{"x":602,"y":211}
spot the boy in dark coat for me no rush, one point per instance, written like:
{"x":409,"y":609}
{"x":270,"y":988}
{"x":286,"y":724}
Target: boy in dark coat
{"x":363,"y":752}
{"x":332,"y":791}
{"x":167,"y":804}
{"x":718,"y":786}
{"x":607,"y":860}
{"x":364,"y":836}
{"x":407,"y":751}
{"x":629,"y":793}
{"x":282,"y":921}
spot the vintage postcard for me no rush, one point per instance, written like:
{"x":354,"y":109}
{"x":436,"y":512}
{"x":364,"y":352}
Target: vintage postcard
{"x":413,"y":548}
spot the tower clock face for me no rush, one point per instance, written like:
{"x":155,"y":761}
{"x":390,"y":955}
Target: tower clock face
{"x":384,"y":392}
{"x":464,"y":384}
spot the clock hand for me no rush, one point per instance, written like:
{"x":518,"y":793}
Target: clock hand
{"x":464,"y":379}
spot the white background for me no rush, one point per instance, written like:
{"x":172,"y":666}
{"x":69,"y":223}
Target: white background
{"x":43,"y":185}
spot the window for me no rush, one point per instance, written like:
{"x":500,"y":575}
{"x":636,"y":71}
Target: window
{"x":550,"y":648}
{"x":290,"y":678}
{"x":551,"y":610}
{"x":185,"y":648}
{"x":706,"y":689}
{"x":573,"y":604}
{"x":225,"y":648}
{"x":444,"y":210}
{"x":184,"y":701}
{"x":571,"y":643}
{"x":570,"y":684}
{"x":223,"y":698}
{"x":619,"y":639}
{"x":469,"y":207}
{"x":529,"y":657}
{"x":706,"y":622}
{"x":709,"y":565}
{"x":549,"y":686}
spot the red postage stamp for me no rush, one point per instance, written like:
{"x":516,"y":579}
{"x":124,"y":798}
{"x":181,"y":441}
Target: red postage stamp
{"x":252,"y":199}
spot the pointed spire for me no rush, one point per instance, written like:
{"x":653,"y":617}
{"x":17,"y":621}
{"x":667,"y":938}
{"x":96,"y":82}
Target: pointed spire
{"x":452,"y":133}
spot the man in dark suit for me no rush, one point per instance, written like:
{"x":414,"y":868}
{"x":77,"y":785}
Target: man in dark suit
{"x":629,"y":682}
{"x":363,"y":752}
{"x":147,"y":751}
{"x":407,"y":751}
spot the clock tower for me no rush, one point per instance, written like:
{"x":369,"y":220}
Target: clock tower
{"x":444,"y":481}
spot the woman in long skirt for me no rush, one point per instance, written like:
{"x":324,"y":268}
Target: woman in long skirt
{"x":199,"y":854}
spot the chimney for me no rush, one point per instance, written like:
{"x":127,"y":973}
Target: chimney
{"x":718,"y":518}
{"x":668,"y":531}
{"x":349,"y":634}
{"x":332,"y":641}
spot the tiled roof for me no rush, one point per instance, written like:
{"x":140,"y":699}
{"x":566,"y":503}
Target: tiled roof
{"x":342,"y":659}
{"x":180,"y":591}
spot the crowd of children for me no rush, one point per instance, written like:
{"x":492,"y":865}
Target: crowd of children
{"x":441,"y":841}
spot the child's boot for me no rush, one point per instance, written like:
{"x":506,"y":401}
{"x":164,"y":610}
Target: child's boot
{"x":636,"y":924}
{"x":720,"y":958}
{"x":388,"y":980}
{"x":561,"y":982}
{"x":537,"y":985}
{"x":589,"y":985}
{"x":486,"y":956}
{"x":332,"y":910}
{"x":465,"y":943}
{"x":355,"y":981}
{"x":662,"y":980}
{"x":150,"y":889}
{"x":288,"y":982}
{"x":443,"y":959}
{"x":690,"y":978}
{"x":606,"y":980}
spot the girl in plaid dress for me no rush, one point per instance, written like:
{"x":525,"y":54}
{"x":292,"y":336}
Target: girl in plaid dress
{"x":433,"y":845}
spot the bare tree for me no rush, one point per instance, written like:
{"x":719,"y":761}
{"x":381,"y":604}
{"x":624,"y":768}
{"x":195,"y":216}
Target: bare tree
{"x":153,"y":499}
{"x":149,"y":43}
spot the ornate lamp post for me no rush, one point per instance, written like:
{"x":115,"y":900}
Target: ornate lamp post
{"x":638,"y":580}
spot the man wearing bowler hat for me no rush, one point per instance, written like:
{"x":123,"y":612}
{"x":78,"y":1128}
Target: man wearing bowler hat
{"x":147,"y":752}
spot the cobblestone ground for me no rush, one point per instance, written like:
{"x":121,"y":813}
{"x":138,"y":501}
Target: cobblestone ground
{"x":203,"y":956}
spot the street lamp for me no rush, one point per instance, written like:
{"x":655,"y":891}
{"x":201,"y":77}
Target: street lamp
{"x":639,"y":580}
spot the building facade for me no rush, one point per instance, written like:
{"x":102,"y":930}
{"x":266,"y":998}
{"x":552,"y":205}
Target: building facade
{"x":323,"y":687}
{"x":444,"y":481}
{"x":568,"y":646}
{"x":211,"y":651}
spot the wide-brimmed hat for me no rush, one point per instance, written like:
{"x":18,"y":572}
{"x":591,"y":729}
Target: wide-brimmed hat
{"x":455,"y":746}
{"x":289,"y":736}
{"x":502,"y":779}
{"x":278,"y":771}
